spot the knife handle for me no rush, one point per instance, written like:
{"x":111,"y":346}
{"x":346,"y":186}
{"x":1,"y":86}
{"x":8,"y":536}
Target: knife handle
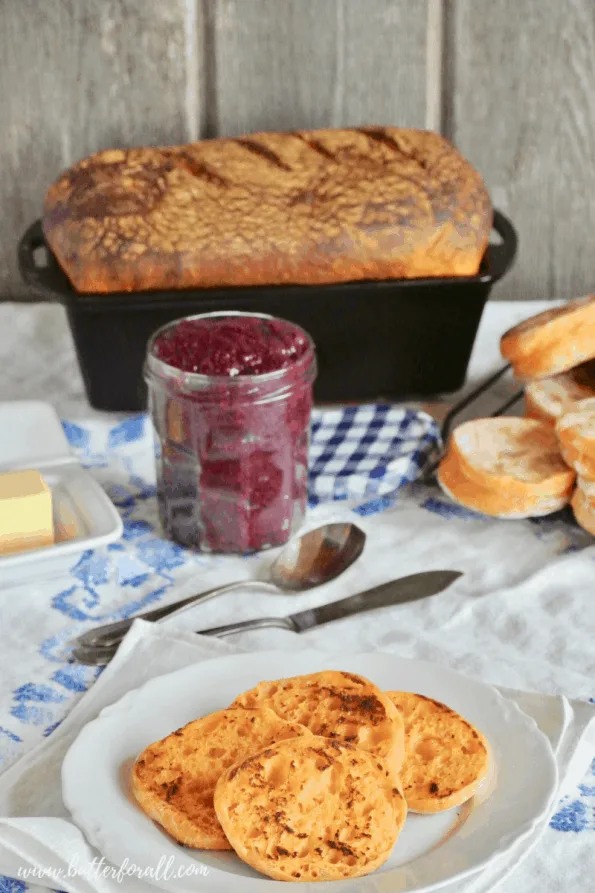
{"x":242,"y":625}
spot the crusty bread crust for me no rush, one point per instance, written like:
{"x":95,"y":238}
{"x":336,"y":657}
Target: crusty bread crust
{"x":338,"y":705}
{"x":446,"y":758}
{"x":311,"y":810}
{"x":553,"y":341}
{"x":173,"y":780}
{"x":309,"y":207}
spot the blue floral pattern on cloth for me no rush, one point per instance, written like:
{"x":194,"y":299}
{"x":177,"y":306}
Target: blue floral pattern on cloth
{"x":357,"y":453}
{"x":11,"y":885}
{"x":577,"y":813}
{"x":365,"y":454}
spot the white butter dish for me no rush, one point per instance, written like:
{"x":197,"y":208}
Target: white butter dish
{"x":31,"y":436}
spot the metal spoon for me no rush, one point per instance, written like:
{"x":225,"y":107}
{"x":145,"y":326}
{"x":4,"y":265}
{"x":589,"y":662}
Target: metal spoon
{"x":317,"y":557}
{"x":397,"y":592}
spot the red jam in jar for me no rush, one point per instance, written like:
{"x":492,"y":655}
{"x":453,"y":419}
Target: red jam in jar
{"x":230,"y":396}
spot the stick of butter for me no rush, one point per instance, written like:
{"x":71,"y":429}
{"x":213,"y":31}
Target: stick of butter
{"x":26,"y":520}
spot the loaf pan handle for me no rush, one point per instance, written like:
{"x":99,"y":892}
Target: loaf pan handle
{"x":502,"y":256}
{"x":33,"y":239}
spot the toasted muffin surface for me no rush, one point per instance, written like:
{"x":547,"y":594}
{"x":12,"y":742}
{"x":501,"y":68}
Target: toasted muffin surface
{"x":583,"y":509}
{"x":173,"y":780}
{"x":552,"y":342}
{"x":576,"y":426}
{"x":311,"y":809}
{"x":446,"y":758}
{"x":547,"y":399}
{"x":587,"y":487}
{"x":338,"y":705}
{"x":496,"y":499}
{"x":583,"y":462}
{"x":522,"y":455}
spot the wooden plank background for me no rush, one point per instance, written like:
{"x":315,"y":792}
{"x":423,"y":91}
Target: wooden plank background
{"x":512,"y":83}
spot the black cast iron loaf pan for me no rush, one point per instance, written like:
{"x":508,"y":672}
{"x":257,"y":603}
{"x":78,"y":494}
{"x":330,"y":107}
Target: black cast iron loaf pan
{"x":376,"y":341}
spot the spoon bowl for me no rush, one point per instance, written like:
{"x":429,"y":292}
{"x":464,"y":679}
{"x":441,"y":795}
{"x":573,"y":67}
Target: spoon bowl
{"x":317,"y":557}
{"x":314,"y":558}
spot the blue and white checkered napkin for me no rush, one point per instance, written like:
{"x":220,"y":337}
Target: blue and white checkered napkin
{"x":356,"y":453}
{"x":364,"y":451}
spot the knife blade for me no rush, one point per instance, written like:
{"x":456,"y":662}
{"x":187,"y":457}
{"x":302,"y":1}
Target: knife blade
{"x":396,"y":592}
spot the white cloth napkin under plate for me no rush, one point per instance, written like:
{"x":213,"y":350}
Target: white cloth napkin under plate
{"x":36,"y":832}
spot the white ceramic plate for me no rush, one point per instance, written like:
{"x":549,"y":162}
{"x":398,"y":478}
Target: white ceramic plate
{"x":431,"y":850}
{"x":84,"y":516}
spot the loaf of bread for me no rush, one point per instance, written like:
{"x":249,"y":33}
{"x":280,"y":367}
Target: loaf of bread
{"x":308,"y":207}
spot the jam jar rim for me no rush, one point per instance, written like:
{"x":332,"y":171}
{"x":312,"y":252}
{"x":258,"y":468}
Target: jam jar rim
{"x":154,"y":366}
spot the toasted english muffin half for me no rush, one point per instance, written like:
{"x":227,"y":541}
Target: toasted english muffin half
{"x":446,"y":758}
{"x":547,"y":399}
{"x":338,"y":705}
{"x":552,"y":342}
{"x":174,"y":779}
{"x":583,"y":509}
{"x":311,"y":809}
{"x":495,"y":499}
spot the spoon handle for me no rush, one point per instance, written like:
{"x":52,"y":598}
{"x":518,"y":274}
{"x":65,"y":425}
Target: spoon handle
{"x":113,"y":633}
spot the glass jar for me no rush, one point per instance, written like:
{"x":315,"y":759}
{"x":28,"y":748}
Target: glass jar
{"x":232,"y":457}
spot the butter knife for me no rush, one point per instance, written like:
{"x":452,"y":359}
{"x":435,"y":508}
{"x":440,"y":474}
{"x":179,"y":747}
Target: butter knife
{"x":397,"y":592}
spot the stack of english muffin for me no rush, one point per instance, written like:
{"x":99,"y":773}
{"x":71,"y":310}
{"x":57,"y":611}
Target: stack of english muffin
{"x":533,"y":466}
{"x":310,"y":778}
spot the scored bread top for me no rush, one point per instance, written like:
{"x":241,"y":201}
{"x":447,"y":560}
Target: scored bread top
{"x":553,"y":341}
{"x":311,"y":809}
{"x":305,"y":207}
{"x":547,"y":399}
{"x":173,"y":780}
{"x":446,"y":758}
{"x":337,"y":705}
{"x":520,"y":454}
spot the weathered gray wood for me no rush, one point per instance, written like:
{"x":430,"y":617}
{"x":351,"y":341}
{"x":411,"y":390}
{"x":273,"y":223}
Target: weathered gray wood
{"x":518,"y":96}
{"x":283,"y":64}
{"x":521,"y":82}
{"x":76,"y":77}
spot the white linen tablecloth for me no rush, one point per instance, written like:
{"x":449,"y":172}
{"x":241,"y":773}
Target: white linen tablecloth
{"x":39,"y":835}
{"x":523,"y":616}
